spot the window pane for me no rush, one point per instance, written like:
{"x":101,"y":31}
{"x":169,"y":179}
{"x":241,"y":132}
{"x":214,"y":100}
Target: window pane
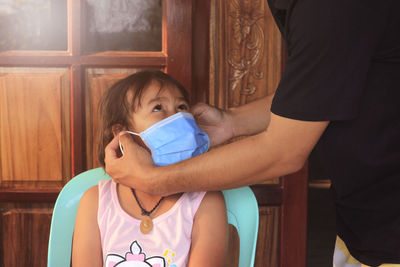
{"x":33,"y":25}
{"x":123,"y":25}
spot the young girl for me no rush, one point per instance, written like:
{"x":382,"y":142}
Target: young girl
{"x":119,"y":226}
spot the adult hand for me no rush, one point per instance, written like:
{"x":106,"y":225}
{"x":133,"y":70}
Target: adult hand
{"x":216,"y":123}
{"x":132,"y":167}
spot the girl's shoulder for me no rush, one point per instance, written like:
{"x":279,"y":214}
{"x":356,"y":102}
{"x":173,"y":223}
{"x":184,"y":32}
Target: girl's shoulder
{"x":214,"y":198}
{"x":93,"y":192}
{"x":209,"y":232}
{"x":194,"y":199}
{"x":193,"y":196}
{"x":211,"y":201}
{"x":90,"y":195}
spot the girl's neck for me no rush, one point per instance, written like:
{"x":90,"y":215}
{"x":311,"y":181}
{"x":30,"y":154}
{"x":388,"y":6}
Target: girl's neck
{"x":145,"y":198}
{"x":129,"y":204}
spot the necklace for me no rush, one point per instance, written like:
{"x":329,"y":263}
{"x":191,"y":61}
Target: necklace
{"x":146,"y":223}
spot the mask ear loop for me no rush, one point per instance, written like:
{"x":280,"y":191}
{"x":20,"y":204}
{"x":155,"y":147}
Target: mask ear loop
{"x":119,"y":141}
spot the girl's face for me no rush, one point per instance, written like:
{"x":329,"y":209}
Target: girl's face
{"x":157,"y":105}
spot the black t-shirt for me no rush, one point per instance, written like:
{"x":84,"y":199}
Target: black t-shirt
{"x":343,"y":66}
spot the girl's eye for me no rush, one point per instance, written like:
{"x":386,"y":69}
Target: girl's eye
{"x":157,"y":108}
{"x":183,"y":107}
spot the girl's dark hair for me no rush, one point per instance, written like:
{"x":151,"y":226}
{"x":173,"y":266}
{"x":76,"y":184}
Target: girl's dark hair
{"x":115,"y":107}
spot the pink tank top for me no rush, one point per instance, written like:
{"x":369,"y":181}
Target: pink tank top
{"x":167,"y":245}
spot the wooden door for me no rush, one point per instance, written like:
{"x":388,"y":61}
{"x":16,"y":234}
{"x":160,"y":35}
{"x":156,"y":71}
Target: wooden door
{"x":56,"y":59}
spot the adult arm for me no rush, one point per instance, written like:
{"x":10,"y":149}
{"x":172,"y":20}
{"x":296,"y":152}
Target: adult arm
{"x":209,"y":232}
{"x":280,"y":149}
{"x":86,"y":245}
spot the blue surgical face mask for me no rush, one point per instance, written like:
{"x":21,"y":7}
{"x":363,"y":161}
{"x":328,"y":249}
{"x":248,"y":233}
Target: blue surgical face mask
{"x":174,"y":139}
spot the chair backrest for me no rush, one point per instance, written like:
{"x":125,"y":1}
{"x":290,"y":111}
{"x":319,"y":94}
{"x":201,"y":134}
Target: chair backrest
{"x":242,"y":212}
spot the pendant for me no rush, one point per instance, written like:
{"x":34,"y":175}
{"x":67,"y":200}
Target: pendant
{"x":146,"y":225}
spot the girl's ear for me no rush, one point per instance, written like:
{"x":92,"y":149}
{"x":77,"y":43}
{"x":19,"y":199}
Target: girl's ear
{"x":117,"y":128}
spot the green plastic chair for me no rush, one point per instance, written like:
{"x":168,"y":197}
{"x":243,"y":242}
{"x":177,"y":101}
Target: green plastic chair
{"x":242,"y":212}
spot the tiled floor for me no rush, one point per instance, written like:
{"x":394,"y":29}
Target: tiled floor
{"x":321,"y":228}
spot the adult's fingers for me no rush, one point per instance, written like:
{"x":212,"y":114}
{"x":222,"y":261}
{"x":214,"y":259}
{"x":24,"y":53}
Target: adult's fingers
{"x":111,"y":156}
{"x":111,"y":149}
{"x":199,"y":109}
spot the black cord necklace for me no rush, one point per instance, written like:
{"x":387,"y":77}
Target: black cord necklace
{"x":146,"y":224}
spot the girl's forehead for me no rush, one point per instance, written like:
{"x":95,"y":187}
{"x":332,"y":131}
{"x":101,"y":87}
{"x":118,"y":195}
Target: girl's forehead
{"x":156,"y":89}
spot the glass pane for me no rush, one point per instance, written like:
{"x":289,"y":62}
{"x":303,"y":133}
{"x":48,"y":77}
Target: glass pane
{"x":123,"y":25}
{"x":33,"y":25}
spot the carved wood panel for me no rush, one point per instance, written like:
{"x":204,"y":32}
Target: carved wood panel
{"x":246,"y":52}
